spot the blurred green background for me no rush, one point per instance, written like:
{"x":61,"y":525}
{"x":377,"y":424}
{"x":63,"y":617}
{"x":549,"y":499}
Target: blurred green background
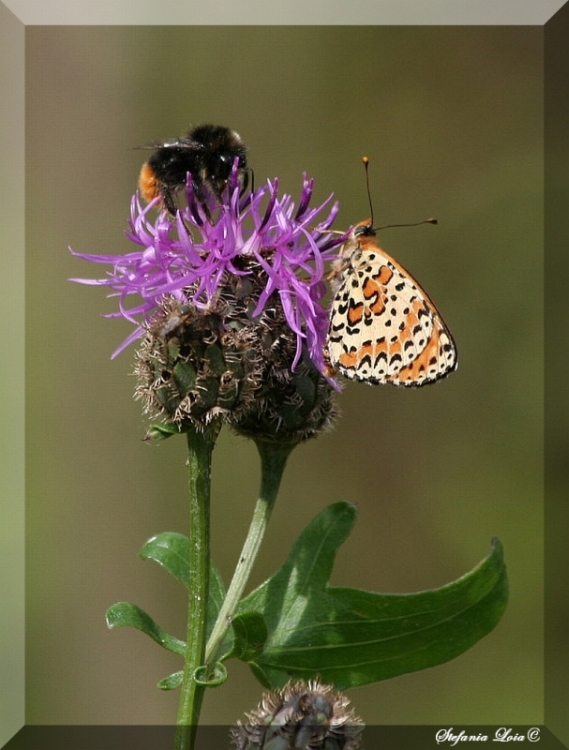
{"x":451,"y":119}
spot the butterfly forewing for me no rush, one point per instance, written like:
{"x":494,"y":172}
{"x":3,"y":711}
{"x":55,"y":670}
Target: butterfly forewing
{"x":384,"y":328}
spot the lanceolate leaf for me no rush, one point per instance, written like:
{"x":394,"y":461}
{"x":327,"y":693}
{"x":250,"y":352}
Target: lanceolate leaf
{"x":124,"y":614}
{"x":351,"y":637}
{"x":171,"y":550}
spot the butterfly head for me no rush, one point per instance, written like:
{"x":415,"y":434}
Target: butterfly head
{"x":361,"y":238}
{"x":364,"y":229}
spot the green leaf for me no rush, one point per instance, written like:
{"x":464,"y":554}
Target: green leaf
{"x":250,"y":634}
{"x":216,"y":597}
{"x":171,"y":682}
{"x":162,"y":431}
{"x":350,"y":637}
{"x":172,"y":552}
{"x":206,"y":677}
{"x":125,"y":614}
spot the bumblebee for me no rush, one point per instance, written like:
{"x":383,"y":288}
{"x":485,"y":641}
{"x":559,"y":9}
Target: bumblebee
{"x":208,"y":152}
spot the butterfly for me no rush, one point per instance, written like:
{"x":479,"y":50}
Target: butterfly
{"x":384,"y":327}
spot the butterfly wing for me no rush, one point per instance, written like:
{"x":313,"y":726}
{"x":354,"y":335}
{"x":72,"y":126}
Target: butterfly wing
{"x":384,"y":328}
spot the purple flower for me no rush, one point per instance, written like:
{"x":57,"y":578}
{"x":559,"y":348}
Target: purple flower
{"x":187,"y":259}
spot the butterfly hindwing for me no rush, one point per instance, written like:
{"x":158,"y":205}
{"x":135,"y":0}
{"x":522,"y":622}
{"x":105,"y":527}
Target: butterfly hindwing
{"x":384,"y":328}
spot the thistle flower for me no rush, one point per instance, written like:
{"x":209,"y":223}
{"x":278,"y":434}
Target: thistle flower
{"x":228,"y":301}
{"x":300,"y":716}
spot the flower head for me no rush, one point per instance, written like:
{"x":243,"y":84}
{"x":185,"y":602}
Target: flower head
{"x":228,"y":300}
{"x":300,"y":716}
{"x":189,"y":258}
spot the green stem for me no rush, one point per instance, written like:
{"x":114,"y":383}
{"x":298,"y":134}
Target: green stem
{"x":273,"y":461}
{"x":200,"y":448}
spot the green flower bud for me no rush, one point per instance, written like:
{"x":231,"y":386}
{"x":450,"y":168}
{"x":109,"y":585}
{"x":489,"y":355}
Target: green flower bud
{"x":300,"y":716}
{"x":222,"y":362}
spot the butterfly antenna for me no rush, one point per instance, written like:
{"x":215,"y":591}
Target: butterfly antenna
{"x":365,"y":162}
{"x":413,"y":224}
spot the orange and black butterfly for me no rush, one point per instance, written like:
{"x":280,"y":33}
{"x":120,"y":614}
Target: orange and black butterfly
{"x":384,"y":327}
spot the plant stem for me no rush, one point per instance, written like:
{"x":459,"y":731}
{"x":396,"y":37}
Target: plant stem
{"x":273,"y":461}
{"x":200,"y":448}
